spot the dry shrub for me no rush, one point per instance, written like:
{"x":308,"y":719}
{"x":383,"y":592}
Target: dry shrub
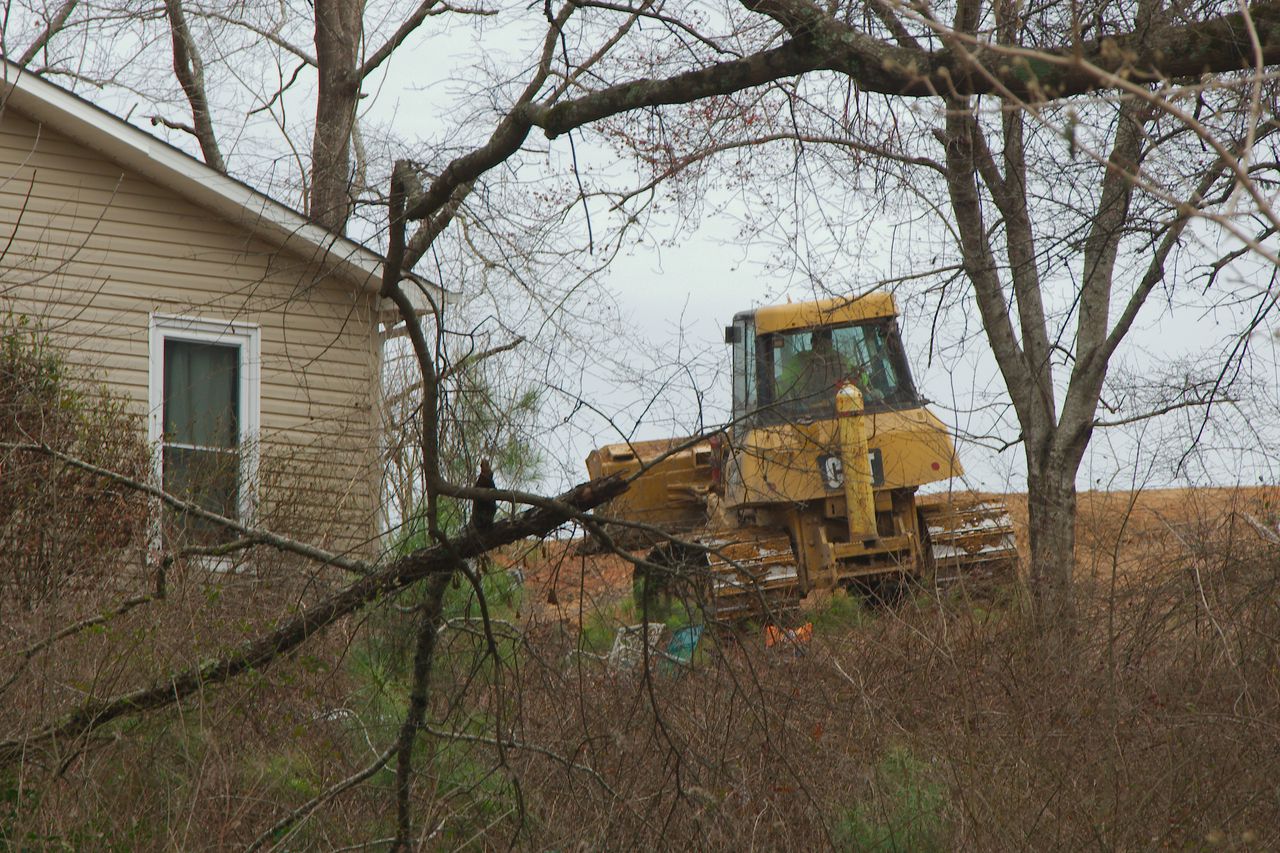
{"x":204,"y":776}
{"x":59,"y":525}
{"x":938,"y":724}
{"x":73,"y":548}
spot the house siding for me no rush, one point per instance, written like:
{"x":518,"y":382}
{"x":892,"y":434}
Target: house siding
{"x":93,"y":250}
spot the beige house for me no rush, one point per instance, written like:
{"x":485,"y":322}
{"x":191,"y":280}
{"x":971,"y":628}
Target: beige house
{"x":246,"y":337}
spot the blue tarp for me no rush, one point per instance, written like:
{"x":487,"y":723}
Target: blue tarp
{"x":683,"y":642}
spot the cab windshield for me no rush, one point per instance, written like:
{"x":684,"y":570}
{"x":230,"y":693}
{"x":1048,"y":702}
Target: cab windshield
{"x":800,"y":370}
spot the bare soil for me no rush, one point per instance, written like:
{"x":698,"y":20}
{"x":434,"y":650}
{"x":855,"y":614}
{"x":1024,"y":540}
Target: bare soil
{"x":563,"y":584}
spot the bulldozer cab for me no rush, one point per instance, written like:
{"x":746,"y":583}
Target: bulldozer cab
{"x":784,"y":445}
{"x":790,"y":375}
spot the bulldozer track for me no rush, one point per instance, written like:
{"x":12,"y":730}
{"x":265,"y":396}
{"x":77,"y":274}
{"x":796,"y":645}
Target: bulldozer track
{"x":970,"y":538}
{"x":750,"y":572}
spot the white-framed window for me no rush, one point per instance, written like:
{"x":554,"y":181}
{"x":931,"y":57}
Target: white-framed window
{"x":204,"y":402}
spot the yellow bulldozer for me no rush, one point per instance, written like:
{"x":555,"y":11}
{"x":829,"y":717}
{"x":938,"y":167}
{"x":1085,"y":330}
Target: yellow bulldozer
{"x":813,"y":485}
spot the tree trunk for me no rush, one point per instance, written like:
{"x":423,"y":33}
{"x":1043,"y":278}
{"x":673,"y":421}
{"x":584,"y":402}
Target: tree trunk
{"x":189,"y":69}
{"x":1051,"y":528}
{"x":338,"y":34}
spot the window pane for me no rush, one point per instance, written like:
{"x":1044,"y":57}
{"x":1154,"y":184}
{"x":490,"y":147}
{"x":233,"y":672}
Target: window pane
{"x":802,"y":369}
{"x":201,"y":416}
{"x":807,"y":369}
{"x":744,"y":368}
{"x":201,"y":394}
{"x":211,"y":480}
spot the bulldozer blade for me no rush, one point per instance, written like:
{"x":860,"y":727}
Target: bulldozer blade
{"x":671,"y":496}
{"x":970,"y":537}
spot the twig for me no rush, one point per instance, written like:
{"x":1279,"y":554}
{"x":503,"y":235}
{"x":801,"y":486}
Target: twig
{"x":83,"y":625}
{"x":525,"y":747}
{"x":289,"y":821}
{"x":1267,"y":533}
{"x":275,"y":540}
{"x":1195,"y":575}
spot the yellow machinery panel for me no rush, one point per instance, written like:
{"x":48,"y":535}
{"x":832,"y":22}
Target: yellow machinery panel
{"x":671,"y":495}
{"x":785,"y":462}
{"x":825,"y":312}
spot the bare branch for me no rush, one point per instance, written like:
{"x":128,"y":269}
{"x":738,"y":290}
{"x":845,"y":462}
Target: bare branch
{"x":52,"y":28}
{"x":425,"y":10}
{"x":511,"y":743}
{"x":429,"y":230}
{"x":265,"y":537}
{"x":505,"y":140}
{"x":156,"y":118}
{"x":271,"y":35}
{"x":1164,"y":410}
{"x":189,"y":69}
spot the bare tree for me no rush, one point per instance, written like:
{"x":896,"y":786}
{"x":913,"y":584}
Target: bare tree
{"x":246,"y":41}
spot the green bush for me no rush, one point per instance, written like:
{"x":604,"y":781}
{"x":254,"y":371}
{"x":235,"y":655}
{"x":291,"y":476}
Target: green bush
{"x":466,"y":774}
{"x":503,"y":595}
{"x":905,"y":816}
{"x":600,"y":624}
{"x":841,"y":612}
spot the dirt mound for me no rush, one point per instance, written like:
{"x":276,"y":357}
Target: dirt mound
{"x":1124,"y":533}
{"x":564,"y":584}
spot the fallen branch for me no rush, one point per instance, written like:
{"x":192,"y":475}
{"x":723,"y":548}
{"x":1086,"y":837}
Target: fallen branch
{"x":419,"y":695}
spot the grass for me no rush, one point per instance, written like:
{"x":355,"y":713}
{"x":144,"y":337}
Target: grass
{"x":481,"y":792}
{"x":839,"y":613}
{"x":905,"y":815}
{"x":503,"y":595}
{"x":601,"y":624}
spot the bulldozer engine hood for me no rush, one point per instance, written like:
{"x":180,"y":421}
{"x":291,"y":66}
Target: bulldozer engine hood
{"x":801,"y":462}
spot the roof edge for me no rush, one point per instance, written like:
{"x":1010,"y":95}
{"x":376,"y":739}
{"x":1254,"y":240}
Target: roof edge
{"x":169,"y":166}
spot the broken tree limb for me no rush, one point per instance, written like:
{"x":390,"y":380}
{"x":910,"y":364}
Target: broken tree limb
{"x":261,"y":652}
